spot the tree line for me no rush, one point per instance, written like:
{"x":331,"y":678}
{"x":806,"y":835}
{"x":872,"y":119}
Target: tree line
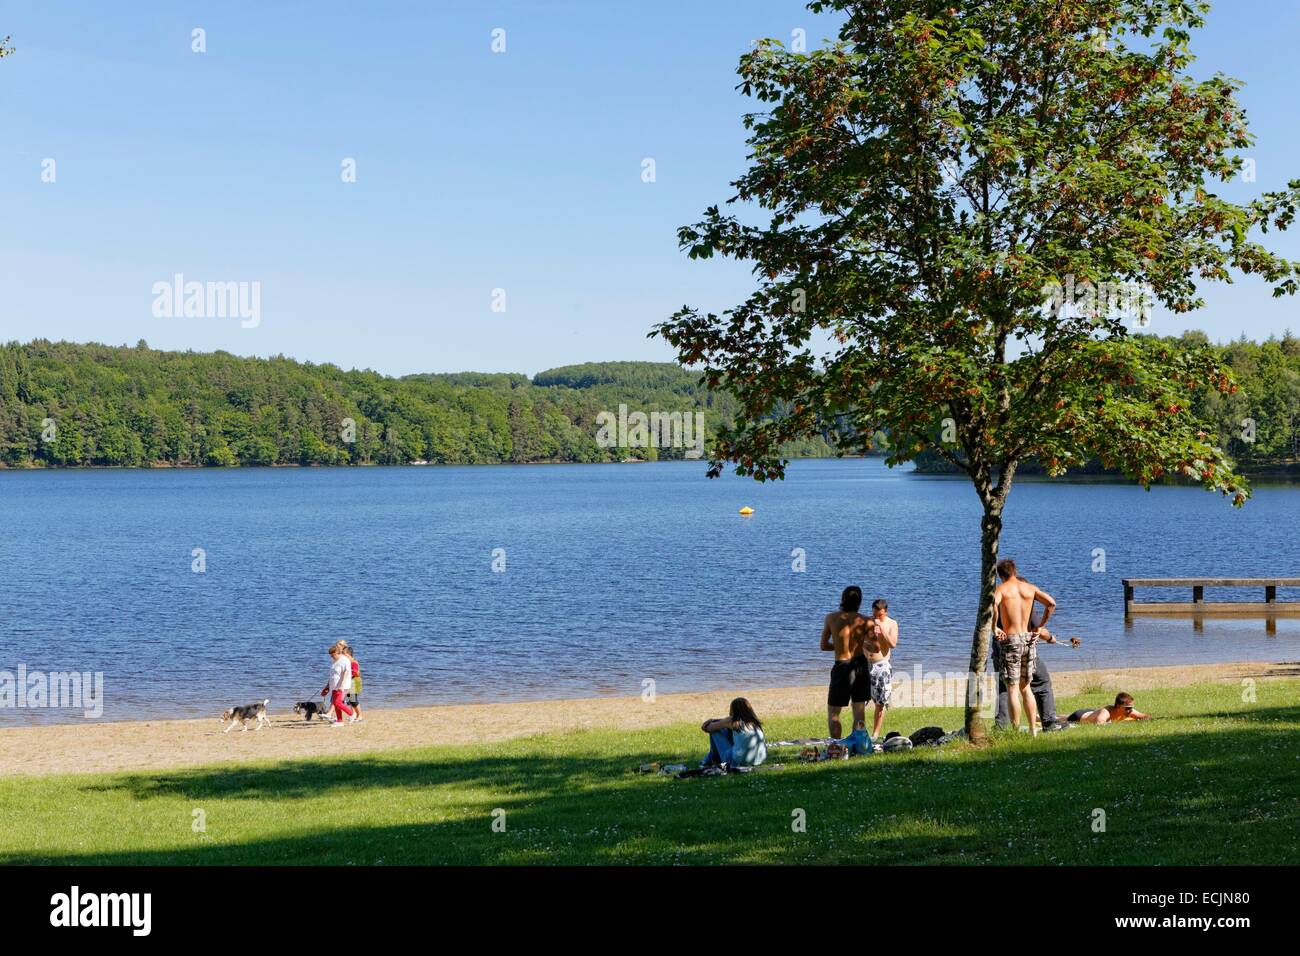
{"x":1258,"y":424}
{"x":67,"y":404}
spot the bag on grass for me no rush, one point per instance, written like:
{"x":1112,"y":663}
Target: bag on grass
{"x":926,"y":735}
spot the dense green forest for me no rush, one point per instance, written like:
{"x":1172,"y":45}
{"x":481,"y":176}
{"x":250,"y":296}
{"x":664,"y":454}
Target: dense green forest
{"x":1259,"y":425}
{"x":66,"y":404}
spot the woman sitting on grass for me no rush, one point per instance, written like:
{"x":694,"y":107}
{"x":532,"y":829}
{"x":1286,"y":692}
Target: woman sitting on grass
{"x":737,"y":740}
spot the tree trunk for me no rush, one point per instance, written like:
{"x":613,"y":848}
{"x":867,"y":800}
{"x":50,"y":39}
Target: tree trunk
{"x":990,"y":534}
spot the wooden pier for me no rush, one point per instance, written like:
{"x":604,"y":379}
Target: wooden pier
{"x":1269,"y":607}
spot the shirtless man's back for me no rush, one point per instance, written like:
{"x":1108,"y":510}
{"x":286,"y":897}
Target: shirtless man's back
{"x":847,"y":632}
{"x":1013,"y":609}
{"x":844,"y":633}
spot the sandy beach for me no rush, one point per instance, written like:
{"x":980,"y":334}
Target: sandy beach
{"x":167,"y":744}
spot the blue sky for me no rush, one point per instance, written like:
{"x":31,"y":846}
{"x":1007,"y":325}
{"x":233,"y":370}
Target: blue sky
{"x":475,"y":171}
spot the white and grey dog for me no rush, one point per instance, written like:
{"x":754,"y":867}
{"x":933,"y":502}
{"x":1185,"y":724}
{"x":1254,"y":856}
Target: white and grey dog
{"x":239,"y":715}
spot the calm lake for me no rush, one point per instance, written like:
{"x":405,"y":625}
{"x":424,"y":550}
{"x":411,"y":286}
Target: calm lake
{"x":613,"y":574}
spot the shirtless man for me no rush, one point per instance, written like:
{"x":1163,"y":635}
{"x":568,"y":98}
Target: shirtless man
{"x":881,"y":639}
{"x":1122,"y":709}
{"x":1013,"y":608}
{"x":844,"y":632}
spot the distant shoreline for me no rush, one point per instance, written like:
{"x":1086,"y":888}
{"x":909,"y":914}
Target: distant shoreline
{"x":930,"y":465}
{"x":172,"y":466}
{"x":1284,"y":475}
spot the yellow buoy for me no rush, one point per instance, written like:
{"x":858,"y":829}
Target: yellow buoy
{"x":746,"y":510}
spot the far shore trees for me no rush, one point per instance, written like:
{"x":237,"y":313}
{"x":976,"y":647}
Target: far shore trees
{"x":69,"y":405}
{"x":963,"y":207}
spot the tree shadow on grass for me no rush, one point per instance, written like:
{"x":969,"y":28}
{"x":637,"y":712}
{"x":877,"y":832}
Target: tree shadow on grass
{"x":1259,"y":715}
{"x":535,"y":776}
{"x":1197,"y":795}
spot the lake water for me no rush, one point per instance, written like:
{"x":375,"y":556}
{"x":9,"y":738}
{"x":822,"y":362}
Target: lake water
{"x":614,"y":574}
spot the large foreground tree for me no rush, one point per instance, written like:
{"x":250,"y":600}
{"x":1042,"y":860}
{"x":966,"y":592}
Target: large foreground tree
{"x":957,"y":211}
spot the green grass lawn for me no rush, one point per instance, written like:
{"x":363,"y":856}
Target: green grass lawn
{"x":1216,"y":782}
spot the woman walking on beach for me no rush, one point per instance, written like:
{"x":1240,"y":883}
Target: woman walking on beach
{"x":340,"y":683}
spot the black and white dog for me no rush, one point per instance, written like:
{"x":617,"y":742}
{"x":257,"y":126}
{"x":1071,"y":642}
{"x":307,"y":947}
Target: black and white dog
{"x":238,"y":715}
{"x":311,"y":708}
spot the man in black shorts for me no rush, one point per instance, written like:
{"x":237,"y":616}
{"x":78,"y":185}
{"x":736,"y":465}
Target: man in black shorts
{"x":843,"y":633}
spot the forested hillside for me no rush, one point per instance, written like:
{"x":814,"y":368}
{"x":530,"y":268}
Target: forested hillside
{"x":1258,"y":425}
{"x":69,"y":404}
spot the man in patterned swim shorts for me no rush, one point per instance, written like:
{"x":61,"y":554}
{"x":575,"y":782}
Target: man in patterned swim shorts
{"x":883,"y":639}
{"x":1013,"y":609}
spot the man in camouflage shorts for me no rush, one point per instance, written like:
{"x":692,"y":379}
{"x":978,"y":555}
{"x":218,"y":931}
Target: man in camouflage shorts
{"x":1013,"y":610}
{"x":1019,"y":658}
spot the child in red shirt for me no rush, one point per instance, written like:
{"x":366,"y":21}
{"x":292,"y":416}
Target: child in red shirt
{"x":354,"y":698}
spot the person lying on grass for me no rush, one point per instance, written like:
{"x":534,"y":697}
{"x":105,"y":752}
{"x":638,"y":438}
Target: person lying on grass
{"x":1122,"y":709}
{"x":736,"y":740}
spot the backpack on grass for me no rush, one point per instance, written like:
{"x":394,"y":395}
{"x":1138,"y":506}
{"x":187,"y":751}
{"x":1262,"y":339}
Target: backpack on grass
{"x":926,"y":735}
